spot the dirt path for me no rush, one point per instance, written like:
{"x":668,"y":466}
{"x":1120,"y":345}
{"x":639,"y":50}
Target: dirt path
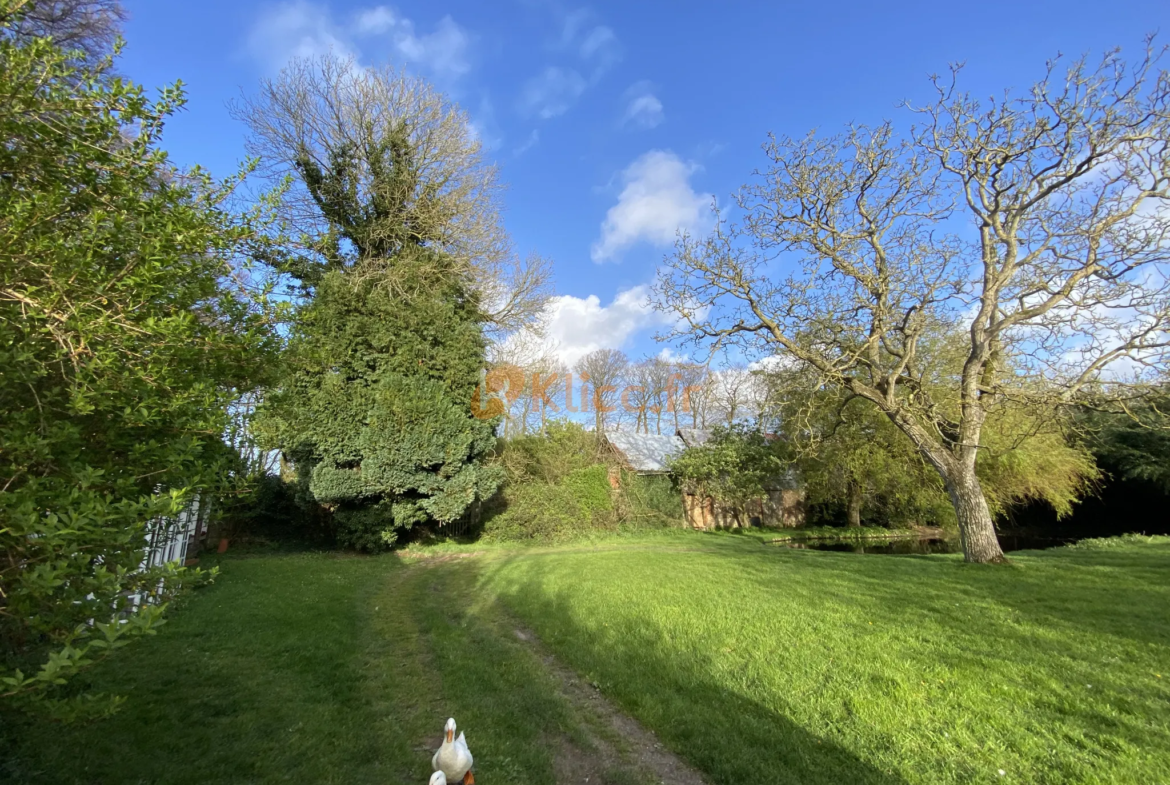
{"x":589,"y":741}
{"x":622,"y":748}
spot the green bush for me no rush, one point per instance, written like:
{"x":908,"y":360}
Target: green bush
{"x":269,"y":511}
{"x":654,"y":500}
{"x":581,"y":504}
{"x":564,"y":448}
{"x":123,"y":347}
{"x":558,"y":489}
{"x":1099,"y":543}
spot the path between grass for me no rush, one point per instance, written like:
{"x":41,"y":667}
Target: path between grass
{"x":319,"y":668}
{"x":751,"y":664}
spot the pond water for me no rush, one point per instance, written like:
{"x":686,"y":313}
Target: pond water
{"x":921,"y":546}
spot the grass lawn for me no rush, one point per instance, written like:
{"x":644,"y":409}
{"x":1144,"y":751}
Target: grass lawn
{"x":754,"y":663}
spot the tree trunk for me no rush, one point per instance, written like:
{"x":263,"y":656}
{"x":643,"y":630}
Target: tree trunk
{"x":854,"y":503}
{"x":976,"y":529}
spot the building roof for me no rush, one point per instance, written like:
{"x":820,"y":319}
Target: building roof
{"x":693,"y":437}
{"x":646,"y":452}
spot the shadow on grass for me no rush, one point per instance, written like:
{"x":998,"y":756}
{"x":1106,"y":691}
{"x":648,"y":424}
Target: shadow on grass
{"x":1059,"y":650}
{"x":257,"y":678}
{"x":726,"y":735}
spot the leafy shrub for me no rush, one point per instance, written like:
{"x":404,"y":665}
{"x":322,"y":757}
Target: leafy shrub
{"x":582,"y":503}
{"x":269,"y":510}
{"x":564,"y":448}
{"x":654,"y":500}
{"x":558,"y":489}
{"x":121,"y":348}
{"x":1101,"y":543}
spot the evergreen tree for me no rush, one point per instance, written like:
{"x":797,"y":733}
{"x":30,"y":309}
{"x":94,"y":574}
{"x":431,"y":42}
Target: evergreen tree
{"x":375,"y":411}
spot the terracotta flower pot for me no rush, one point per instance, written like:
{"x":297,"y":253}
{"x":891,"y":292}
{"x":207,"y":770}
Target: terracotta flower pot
{"x":223,"y":545}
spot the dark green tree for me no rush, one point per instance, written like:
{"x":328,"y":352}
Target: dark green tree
{"x":384,"y":354}
{"x":1135,"y":446}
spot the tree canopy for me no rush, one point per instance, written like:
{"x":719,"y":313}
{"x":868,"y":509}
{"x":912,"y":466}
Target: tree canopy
{"x":1034,"y":226}
{"x":124,"y":337}
{"x":396,"y":245}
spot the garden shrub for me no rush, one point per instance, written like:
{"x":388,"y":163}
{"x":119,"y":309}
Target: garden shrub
{"x":558,"y":489}
{"x":654,"y":500}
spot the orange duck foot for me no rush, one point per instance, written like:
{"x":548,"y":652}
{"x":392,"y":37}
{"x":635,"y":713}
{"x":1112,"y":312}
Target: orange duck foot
{"x":468,"y":779}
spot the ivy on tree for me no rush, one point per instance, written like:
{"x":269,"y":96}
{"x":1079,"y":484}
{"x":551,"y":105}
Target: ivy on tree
{"x":385,"y":348}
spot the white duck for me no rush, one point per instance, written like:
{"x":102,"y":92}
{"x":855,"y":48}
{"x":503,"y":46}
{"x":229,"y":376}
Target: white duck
{"x":453,"y":759}
{"x":438,"y":778}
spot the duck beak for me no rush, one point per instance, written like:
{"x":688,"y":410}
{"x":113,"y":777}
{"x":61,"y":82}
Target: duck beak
{"x":450,"y":735}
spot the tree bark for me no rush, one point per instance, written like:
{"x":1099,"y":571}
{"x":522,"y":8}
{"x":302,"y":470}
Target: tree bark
{"x":854,"y":503}
{"x":976,"y":529}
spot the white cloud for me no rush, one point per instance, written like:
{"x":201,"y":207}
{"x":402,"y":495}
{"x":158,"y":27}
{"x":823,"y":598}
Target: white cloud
{"x":600,"y":48}
{"x":657,"y":200}
{"x":442,"y":53}
{"x":295,"y":29}
{"x":529,"y":143}
{"x":575,"y":326}
{"x":643,"y":109}
{"x":483,"y":125}
{"x":595,"y":50}
{"x":595,"y":44}
{"x":299,"y":28}
{"x":671,"y":356}
{"x":551,"y":93}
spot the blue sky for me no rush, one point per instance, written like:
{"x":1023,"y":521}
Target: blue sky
{"x":614,"y":124}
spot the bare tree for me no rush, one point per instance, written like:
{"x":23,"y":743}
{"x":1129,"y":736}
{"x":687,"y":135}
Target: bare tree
{"x":735,"y":394}
{"x":89,"y":27}
{"x":689,"y":392}
{"x":603,"y":370}
{"x":400,"y":165}
{"x":851,"y":261}
{"x":543,"y":380}
{"x":637,"y":397}
{"x":650,"y":388}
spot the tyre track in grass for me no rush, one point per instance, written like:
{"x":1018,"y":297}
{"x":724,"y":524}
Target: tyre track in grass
{"x":528,"y":717}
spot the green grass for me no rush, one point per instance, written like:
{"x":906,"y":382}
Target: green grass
{"x":312,"y":668}
{"x":801,"y":533}
{"x":803,"y":666}
{"x":756,"y":664}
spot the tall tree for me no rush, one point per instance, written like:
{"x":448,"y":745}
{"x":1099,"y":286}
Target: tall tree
{"x":399,"y":243}
{"x":603,"y":370}
{"x":381,"y":161}
{"x":124,"y":339}
{"x":851,"y":249}
{"x":649,"y":383}
{"x":86,"y":27}
{"x":850,"y":457}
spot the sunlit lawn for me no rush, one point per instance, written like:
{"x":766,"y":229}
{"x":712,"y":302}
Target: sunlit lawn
{"x":774,"y":665}
{"x":755,"y":663}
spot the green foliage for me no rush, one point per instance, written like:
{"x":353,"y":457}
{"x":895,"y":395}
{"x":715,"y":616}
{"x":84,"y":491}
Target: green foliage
{"x":848,"y":453}
{"x":737,"y":464}
{"x":565,"y":447}
{"x":1121,"y":541}
{"x":375,"y":410}
{"x":654,"y":500}
{"x":1136,"y":446}
{"x":1027,"y":460}
{"x":266,"y":509}
{"x":580,"y":504}
{"x":558,"y":489}
{"x":121,"y":348}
